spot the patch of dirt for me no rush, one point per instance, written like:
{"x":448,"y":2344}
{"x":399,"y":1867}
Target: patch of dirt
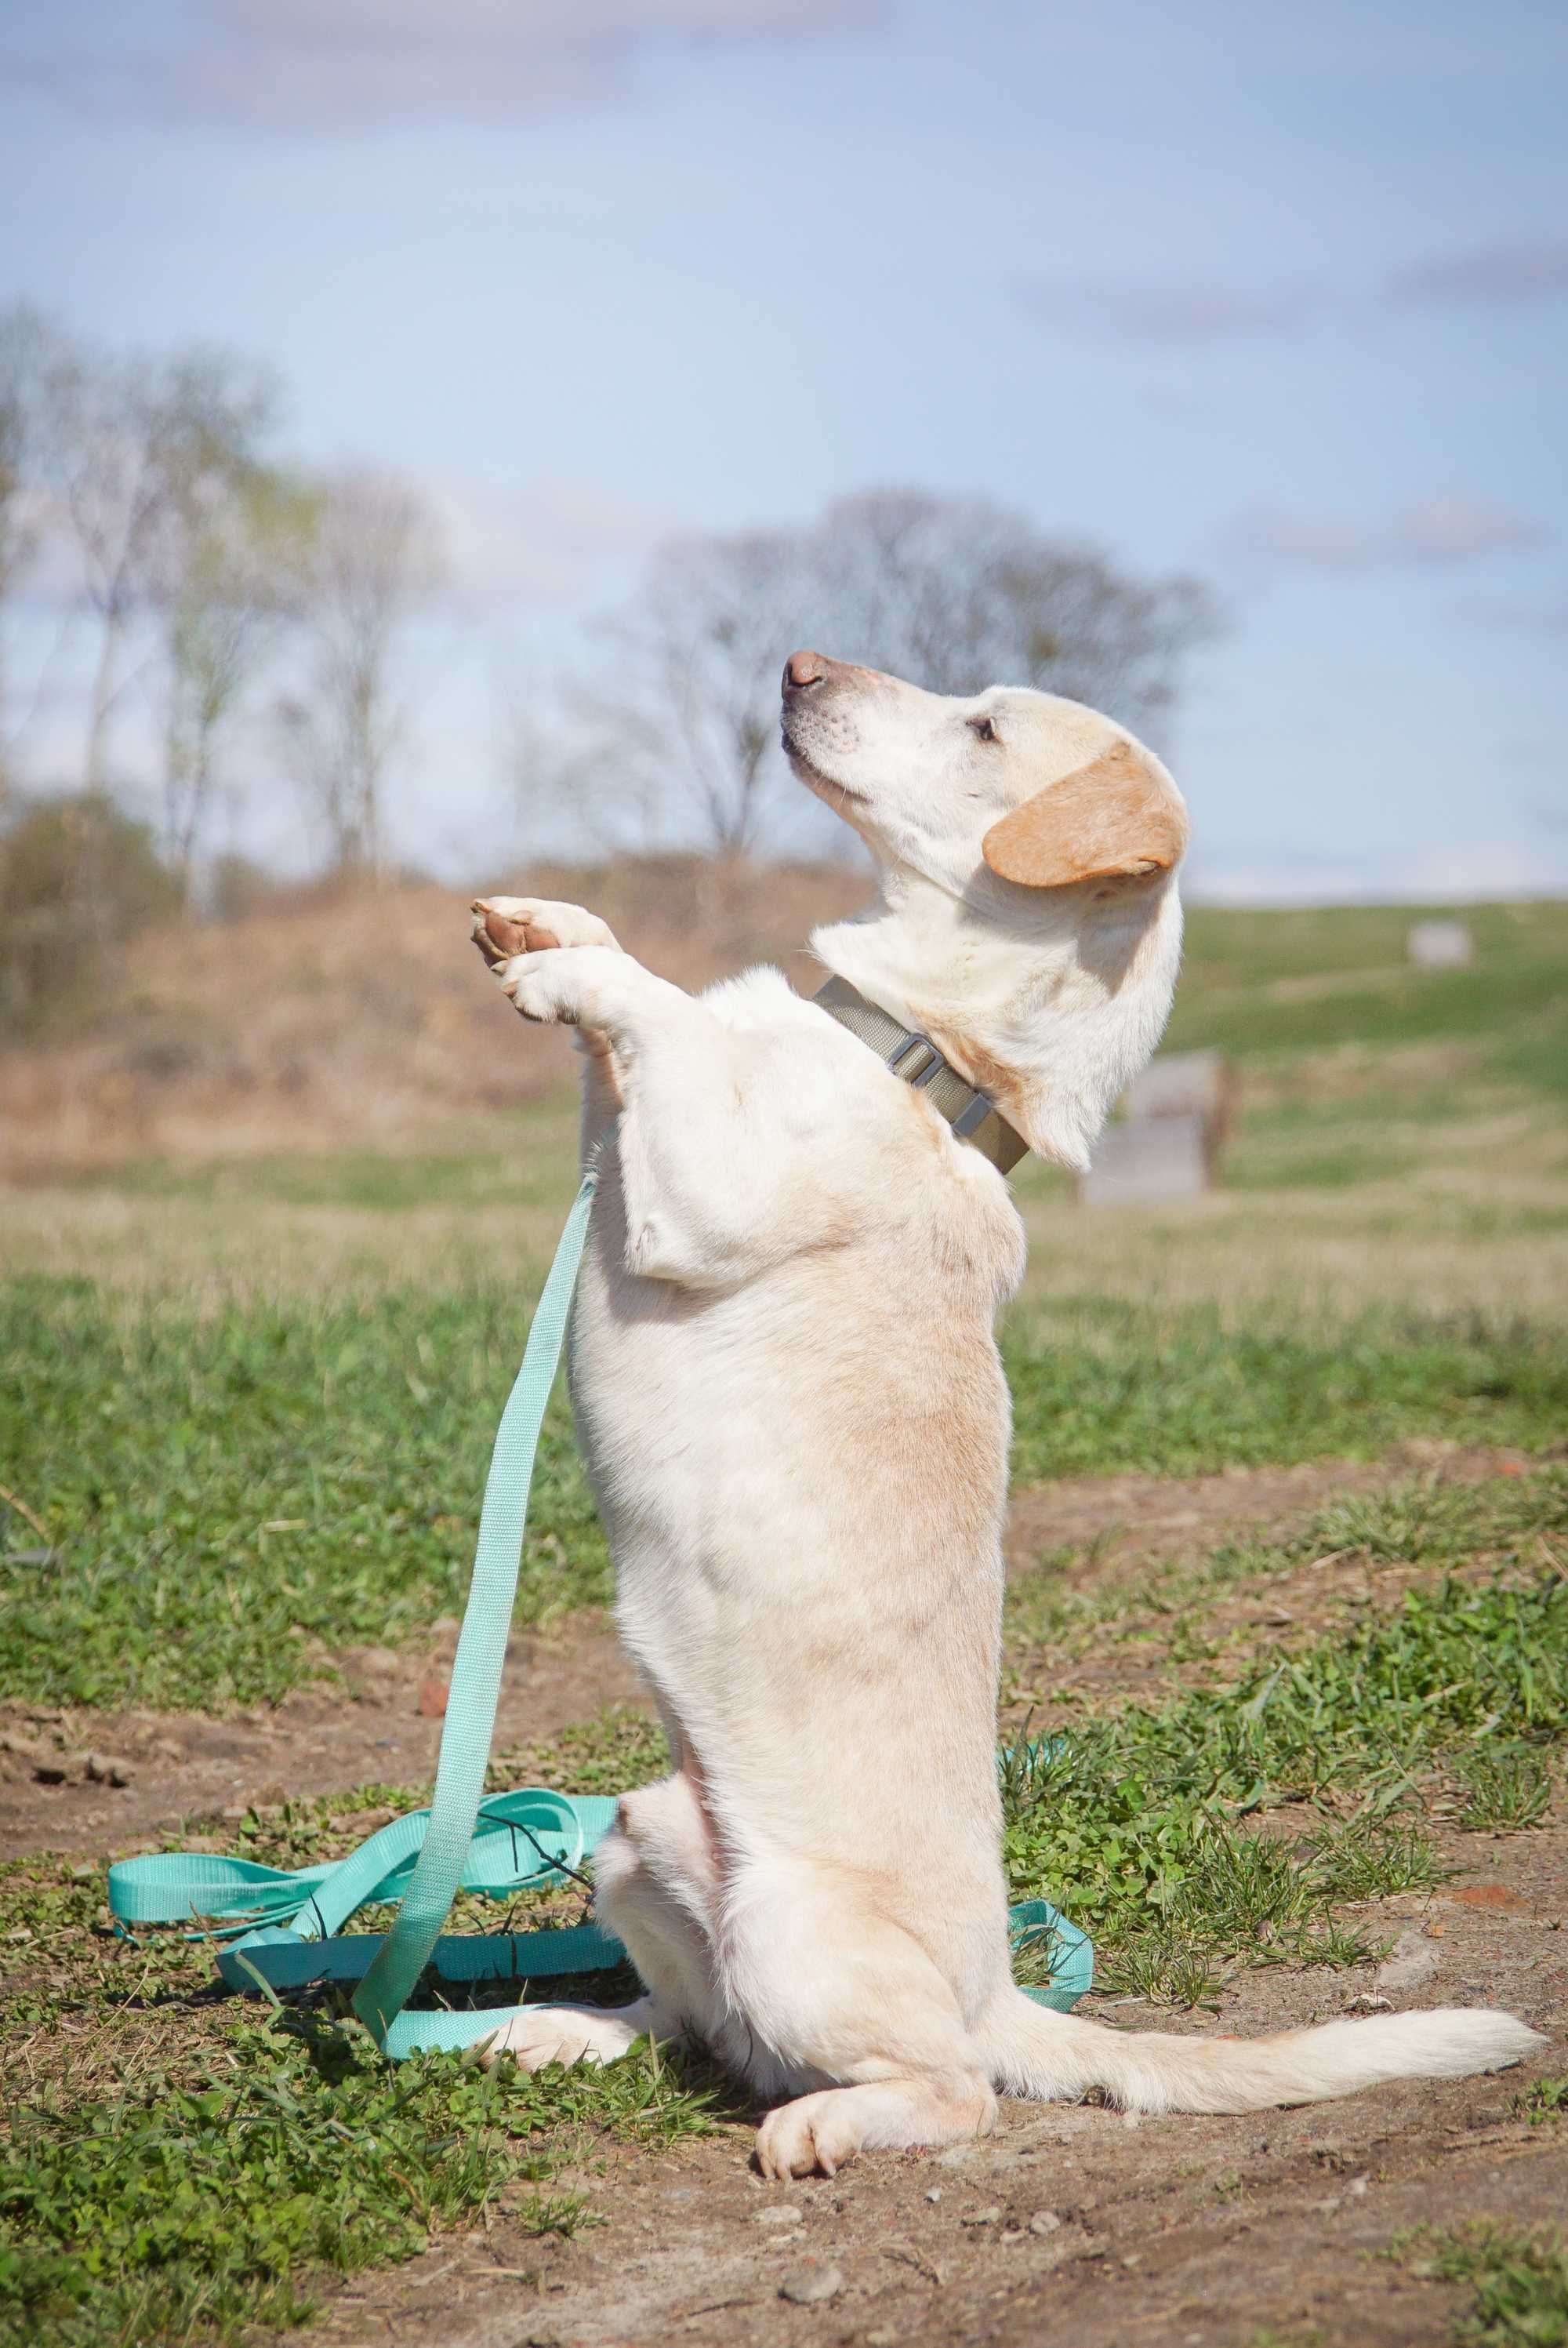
{"x":1199,"y":2232}
{"x":1122,"y":1521}
{"x":322,"y":1739}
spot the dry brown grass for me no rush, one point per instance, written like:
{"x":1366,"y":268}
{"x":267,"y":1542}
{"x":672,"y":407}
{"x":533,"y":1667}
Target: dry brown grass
{"x":1455,"y":1236}
{"x":328,"y":1093}
{"x":362,"y":1019}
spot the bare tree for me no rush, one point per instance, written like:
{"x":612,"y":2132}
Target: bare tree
{"x":227,"y":573}
{"x":954,"y":593}
{"x":958,"y":593}
{"x":128,"y":440}
{"x":555,"y":759}
{"x":696,"y":657}
{"x":372,"y":556}
{"x":34,"y":358}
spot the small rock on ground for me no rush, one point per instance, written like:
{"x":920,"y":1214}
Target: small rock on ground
{"x":809,"y":2286}
{"x":1412,"y":1961}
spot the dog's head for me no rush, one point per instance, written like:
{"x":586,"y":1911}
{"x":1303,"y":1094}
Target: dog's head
{"x":1027,"y":847}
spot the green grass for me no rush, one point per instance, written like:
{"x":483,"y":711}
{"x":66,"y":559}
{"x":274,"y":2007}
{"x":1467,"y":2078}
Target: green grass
{"x":221,"y":2200}
{"x":232,"y":1496}
{"x":1319,"y":978}
{"x":1102,"y":1384}
{"x":1142,"y":1822}
{"x":1518,"y":2282}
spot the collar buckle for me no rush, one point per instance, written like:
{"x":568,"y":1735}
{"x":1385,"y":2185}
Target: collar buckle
{"x":922,"y":1072}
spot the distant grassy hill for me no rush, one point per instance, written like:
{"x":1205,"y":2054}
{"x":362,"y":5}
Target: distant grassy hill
{"x":1327,"y":977}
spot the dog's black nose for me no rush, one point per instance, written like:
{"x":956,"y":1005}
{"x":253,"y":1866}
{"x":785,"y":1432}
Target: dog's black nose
{"x":803,"y":670}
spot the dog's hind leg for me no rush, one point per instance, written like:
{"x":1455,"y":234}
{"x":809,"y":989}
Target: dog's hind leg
{"x":653,"y":1879}
{"x":820,"y":2132}
{"x":843,"y":2001}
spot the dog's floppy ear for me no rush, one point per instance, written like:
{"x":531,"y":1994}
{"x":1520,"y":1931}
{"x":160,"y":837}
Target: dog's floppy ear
{"x":1112,"y":820}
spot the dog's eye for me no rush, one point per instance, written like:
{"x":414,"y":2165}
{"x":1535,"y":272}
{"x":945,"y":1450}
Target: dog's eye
{"x":984,"y":730}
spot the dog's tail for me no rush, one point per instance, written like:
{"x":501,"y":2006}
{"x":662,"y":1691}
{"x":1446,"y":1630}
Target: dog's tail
{"x":1035,"y":2052}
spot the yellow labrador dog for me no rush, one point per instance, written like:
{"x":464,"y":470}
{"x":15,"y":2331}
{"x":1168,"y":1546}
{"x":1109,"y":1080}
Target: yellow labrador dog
{"x":788,"y":1393}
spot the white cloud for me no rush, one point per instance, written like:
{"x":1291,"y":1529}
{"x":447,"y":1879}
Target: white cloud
{"x":327,"y":66}
{"x":1171,"y":313}
{"x":1525,"y":268}
{"x":1429,"y":533}
{"x":547,"y":538}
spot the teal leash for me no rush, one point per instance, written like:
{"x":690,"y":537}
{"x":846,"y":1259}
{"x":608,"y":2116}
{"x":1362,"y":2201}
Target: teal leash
{"x":283,"y":1927}
{"x":461,"y":1841}
{"x":476,"y":1685}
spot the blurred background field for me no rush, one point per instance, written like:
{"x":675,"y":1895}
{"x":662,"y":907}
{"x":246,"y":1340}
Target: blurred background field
{"x":329,"y":1091}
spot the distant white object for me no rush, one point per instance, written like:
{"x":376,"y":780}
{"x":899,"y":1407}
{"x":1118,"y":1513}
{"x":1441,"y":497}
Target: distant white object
{"x":1166,"y":1144}
{"x":1184,"y":1084}
{"x":1143,"y":1161}
{"x":1439,"y":945}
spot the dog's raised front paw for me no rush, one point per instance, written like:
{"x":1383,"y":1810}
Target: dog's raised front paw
{"x":504,"y":927}
{"x":565,"y":989}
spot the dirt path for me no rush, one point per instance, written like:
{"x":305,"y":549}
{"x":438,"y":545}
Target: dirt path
{"x":1125,"y":1523}
{"x":381,"y":1723}
{"x":57,"y":1770}
{"x":1071,"y":2225}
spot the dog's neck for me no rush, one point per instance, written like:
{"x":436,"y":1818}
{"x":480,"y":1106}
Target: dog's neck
{"x":1050,"y":1008}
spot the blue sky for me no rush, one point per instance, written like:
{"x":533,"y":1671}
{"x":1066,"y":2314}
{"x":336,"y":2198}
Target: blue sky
{"x":1279,"y":294}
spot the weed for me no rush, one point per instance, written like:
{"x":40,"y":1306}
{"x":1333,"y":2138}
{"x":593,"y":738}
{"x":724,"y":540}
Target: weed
{"x":1505,"y":1790}
{"x":1163,"y":1966}
{"x":1544,"y":2099}
{"x":555,"y":2213}
{"x":1519,"y":2281}
{"x":1373,"y":1860}
{"x":1035,"y":1959}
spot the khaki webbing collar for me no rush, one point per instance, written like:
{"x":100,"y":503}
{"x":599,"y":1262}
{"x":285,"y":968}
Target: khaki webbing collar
{"x":973,"y":1116}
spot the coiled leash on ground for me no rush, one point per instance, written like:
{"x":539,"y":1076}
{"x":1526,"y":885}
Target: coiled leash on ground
{"x":286,"y":1924}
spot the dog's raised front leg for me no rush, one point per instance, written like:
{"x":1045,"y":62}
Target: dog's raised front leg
{"x":507,"y":926}
{"x":720,"y":1149}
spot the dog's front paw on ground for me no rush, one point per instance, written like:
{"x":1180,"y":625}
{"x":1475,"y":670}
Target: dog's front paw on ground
{"x":507,"y":926}
{"x":814,"y":2133}
{"x":556,"y":2034}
